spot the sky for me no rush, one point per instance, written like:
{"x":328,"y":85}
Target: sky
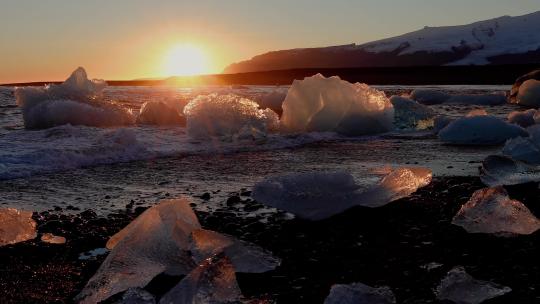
{"x":44,"y":40}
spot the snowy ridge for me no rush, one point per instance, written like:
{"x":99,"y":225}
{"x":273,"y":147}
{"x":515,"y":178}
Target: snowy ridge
{"x":498,"y":36}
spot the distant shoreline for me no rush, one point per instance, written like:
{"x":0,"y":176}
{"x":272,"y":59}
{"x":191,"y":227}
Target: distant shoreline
{"x":423,"y":75}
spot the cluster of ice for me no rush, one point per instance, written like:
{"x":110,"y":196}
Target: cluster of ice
{"x":166,"y":238}
{"x":490,"y":210}
{"x":523,"y":119}
{"x":319,"y":195}
{"x":459,"y":287}
{"x":16,"y":226}
{"x":409,"y":114}
{"x":76,"y":101}
{"x":431,"y":97}
{"x":213,"y":281}
{"x":500,"y":170}
{"x":526,"y":149}
{"x":330,"y":104}
{"x":228,"y":117}
{"x":357,"y":293}
{"x":479,"y":130}
{"x":159,"y":113}
{"x":529,"y":93}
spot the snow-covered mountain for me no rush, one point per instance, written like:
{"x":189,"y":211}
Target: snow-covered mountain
{"x":496,"y":41}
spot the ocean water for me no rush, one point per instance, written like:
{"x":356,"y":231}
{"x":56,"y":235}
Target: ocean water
{"x":104,"y":169}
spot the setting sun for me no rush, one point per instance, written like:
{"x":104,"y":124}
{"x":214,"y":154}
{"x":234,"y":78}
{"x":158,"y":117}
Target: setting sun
{"x":185,"y":60}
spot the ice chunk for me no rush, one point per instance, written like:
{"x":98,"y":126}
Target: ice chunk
{"x":214,"y":281}
{"x":429,"y":96}
{"x":52,"y":239}
{"x":440,"y":122}
{"x":16,"y":226}
{"x":409,"y":114}
{"x":502,"y":170}
{"x":459,"y":287}
{"x":477,"y":112}
{"x":358,"y":293}
{"x":526,"y":149}
{"x":479,"y":130}
{"x":331,"y":104}
{"x":76,"y":101}
{"x":522,"y":118}
{"x":157,"y":241}
{"x":319,"y":195}
{"x":137,"y":296}
{"x":272,"y":100}
{"x":490,"y":210}
{"x":166,"y":238}
{"x":529,"y":93}
{"x":244,"y":256}
{"x":159,"y":113}
{"x":227,"y":117}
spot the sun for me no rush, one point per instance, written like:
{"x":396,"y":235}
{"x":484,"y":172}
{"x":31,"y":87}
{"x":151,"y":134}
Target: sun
{"x":185,"y":60}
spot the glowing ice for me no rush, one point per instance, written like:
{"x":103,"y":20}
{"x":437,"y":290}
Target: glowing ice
{"x":16,"y":226}
{"x":53,"y":239}
{"x":490,"y":210}
{"x":319,"y":195}
{"x":272,"y":100}
{"x":359,"y":293}
{"x":166,"y":238}
{"x":522,"y":118}
{"x":331,"y":104}
{"x":409,"y":114}
{"x":459,"y":287}
{"x":529,"y":93}
{"x":477,"y":112}
{"x":76,"y":101}
{"x":228,"y":117}
{"x":429,"y":96}
{"x":159,"y":113}
{"x":479,"y":130}
{"x":213,"y":281}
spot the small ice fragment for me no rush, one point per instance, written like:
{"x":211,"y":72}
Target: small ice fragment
{"x":16,"y":226}
{"x":92,"y":254}
{"x":159,"y":113}
{"x":523,"y":119}
{"x":459,"y":287}
{"x":318,"y":195}
{"x":490,"y":210}
{"x":526,"y":149}
{"x":409,"y":114}
{"x":529,"y":93}
{"x":430,"y":97}
{"x":358,"y":293}
{"x":319,"y":104}
{"x":431,"y":266}
{"x":137,"y":296}
{"x":502,"y":170}
{"x":52,"y":239}
{"x":213,"y":281}
{"x":476,"y":112}
{"x":479,"y":130}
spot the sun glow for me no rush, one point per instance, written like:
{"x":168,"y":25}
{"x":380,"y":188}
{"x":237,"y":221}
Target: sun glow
{"x":185,"y":60}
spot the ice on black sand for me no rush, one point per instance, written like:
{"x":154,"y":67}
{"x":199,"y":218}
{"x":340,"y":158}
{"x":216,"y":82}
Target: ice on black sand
{"x":16,"y":226}
{"x":358,"y":293}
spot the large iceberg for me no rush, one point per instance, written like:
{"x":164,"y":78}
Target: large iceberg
{"x":409,"y":114}
{"x":459,"y":287}
{"x":490,"y":210}
{"x":331,"y":104}
{"x":166,"y":238}
{"x":430,"y":97}
{"x":16,"y":226}
{"x":319,"y":195}
{"x":228,"y":117}
{"x":529,"y":93}
{"x":159,"y":113}
{"x":76,"y":101}
{"x":498,"y":170}
{"x":523,"y":119}
{"x":213,"y":281}
{"x":479,"y":130}
{"x":358,"y":293}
